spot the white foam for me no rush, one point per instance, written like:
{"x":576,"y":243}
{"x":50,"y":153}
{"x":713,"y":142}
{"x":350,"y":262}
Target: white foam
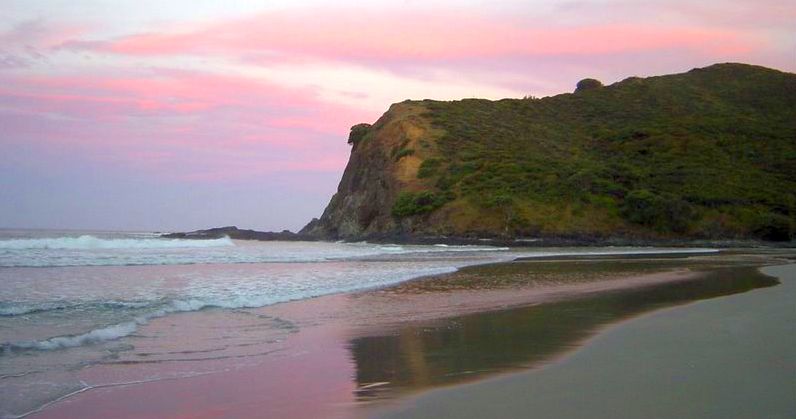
{"x":91,"y":242}
{"x":22,"y":309}
{"x":242,"y":298}
{"x":97,"y":335}
{"x":93,"y":251}
{"x":11,"y":309}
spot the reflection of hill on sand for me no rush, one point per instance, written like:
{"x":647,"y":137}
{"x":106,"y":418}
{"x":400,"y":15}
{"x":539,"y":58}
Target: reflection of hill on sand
{"x":457,"y":349}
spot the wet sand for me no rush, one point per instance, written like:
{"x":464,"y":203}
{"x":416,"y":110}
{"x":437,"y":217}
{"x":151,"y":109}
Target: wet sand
{"x":364,"y":354}
{"x":733,"y":357}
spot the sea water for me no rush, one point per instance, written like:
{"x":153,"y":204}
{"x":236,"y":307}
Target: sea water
{"x":71,"y":300}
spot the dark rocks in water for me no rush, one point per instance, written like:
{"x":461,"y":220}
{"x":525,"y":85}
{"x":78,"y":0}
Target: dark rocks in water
{"x":234,"y":232}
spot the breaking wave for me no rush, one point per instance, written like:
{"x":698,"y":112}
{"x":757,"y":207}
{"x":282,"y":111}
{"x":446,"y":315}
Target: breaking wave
{"x":11,"y":309}
{"x":93,"y":251}
{"x":160,"y":308}
{"x":59,"y":342}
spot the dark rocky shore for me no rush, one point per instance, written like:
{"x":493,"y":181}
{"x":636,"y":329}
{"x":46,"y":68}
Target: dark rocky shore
{"x":236,"y":233}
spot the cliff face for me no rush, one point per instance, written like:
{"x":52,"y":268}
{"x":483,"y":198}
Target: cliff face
{"x":706,"y":154}
{"x":384,"y":161}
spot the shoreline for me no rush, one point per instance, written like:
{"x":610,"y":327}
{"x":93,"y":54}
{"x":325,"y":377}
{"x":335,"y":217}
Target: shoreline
{"x":572,"y":385}
{"x":377,"y":319}
{"x":541,"y":241}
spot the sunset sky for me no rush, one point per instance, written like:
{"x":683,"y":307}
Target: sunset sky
{"x":186,"y":114}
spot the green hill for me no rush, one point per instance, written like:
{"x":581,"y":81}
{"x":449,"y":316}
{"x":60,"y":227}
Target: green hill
{"x":710,"y":153}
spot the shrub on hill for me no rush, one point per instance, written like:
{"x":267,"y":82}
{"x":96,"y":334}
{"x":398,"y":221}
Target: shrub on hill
{"x":667,"y":153}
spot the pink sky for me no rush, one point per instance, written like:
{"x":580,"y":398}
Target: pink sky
{"x":145,"y":115}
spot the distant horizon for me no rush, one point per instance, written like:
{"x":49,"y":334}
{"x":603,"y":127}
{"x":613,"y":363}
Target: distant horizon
{"x":87,"y":230}
{"x":145,"y":116}
{"x":107,"y":230}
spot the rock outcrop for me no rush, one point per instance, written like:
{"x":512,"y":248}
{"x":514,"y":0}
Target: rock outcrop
{"x":707,"y":154}
{"x":236,"y":233}
{"x":384,"y":161}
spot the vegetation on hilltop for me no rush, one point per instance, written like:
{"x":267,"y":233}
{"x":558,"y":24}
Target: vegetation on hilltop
{"x":708,"y":153}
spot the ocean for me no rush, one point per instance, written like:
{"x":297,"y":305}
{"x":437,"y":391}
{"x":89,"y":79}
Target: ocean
{"x":72,"y":301}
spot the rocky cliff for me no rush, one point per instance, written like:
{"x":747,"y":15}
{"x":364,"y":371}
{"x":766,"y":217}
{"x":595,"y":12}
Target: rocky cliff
{"x":384,"y":161}
{"x":710,"y":153}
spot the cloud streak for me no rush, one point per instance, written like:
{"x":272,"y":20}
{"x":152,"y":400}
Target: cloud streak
{"x":373,"y":37}
{"x":179,"y":125}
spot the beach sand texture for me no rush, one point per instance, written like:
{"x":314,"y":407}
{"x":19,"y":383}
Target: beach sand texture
{"x":526,"y":339}
{"x":732,"y":357}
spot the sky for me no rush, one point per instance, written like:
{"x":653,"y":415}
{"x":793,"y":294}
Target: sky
{"x":186,"y":114}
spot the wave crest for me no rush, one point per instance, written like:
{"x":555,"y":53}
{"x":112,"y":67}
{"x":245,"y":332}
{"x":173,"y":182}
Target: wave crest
{"x":60,"y":342}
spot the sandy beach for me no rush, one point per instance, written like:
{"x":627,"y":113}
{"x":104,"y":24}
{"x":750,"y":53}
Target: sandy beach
{"x":570,"y":338}
{"x":731,"y":357}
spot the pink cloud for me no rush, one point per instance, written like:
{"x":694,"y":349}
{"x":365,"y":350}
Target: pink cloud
{"x":178,"y":125}
{"x":172,"y":93}
{"x":390,"y":36}
{"x":208,"y":151}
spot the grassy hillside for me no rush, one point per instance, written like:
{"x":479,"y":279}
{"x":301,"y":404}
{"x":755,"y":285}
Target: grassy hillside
{"x":708,"y":153}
